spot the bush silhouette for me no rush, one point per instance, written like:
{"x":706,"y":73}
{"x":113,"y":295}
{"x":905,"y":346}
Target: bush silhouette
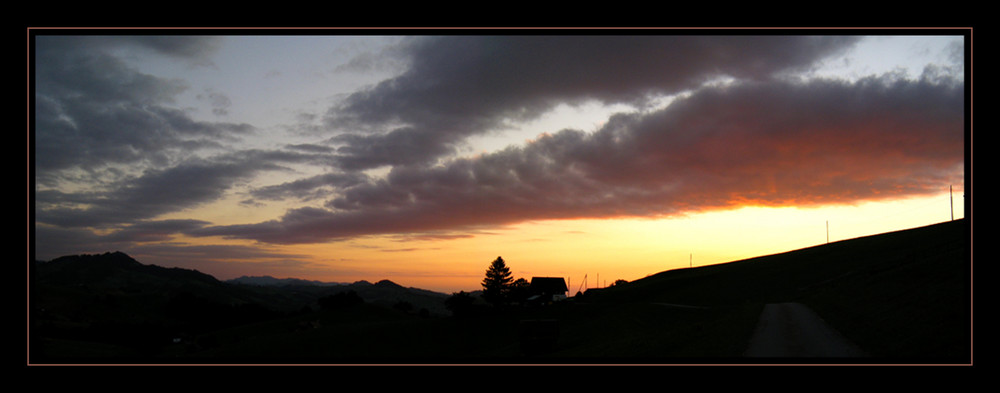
{"x":461,"y":304}
{"x":519,"y":291}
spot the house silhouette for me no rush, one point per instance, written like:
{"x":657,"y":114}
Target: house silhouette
{"x":547,"y":289}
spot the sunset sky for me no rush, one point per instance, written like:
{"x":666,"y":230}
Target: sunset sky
{"x":346,"y":155}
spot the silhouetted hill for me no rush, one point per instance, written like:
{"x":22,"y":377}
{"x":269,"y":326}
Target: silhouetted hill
{"x":903,"y":293}
{"x":903,"y":296}
{"x":122,"y":306}
{"x":278,"y":282}
{"x":116,"y":274}
{"x":942,"y":249}
{"x":115,"y":270}
{"x":390,"y":294}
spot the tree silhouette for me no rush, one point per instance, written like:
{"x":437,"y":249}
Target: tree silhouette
{"x":460,"y":304}
{"x":518,"y":290}
{"x":497,"y":282}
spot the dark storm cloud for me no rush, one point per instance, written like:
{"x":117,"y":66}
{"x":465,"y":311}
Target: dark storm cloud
{"x":113,"y":133}
{"x":160,"y":191}
{"x":93,"y":111}
{"x":772,"y":144}
{"x":155,"y":192}
{"x":459,"y":86}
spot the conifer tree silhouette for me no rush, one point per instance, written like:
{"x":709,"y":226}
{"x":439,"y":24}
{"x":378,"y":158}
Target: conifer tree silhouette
{"x":497,"y":282}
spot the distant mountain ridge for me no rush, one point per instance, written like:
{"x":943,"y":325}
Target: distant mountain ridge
{"x":116,"y":274}
{"x":113,"y":268}
{"x":100,"y":266}
{"x":272,"y":281}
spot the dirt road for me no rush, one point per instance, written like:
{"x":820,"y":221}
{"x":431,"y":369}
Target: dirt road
{"x":792,"y":330}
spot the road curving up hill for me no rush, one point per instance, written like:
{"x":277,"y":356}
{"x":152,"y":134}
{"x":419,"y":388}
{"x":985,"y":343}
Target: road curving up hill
{"x":792,"y":330}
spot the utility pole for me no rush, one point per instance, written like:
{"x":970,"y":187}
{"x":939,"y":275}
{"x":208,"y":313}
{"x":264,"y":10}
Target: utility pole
{"x":951,"y":201}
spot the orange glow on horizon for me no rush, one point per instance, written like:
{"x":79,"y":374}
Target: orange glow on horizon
{"x":598,"y":249}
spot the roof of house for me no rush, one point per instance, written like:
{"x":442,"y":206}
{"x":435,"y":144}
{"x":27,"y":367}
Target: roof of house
{"x":548,"y":284}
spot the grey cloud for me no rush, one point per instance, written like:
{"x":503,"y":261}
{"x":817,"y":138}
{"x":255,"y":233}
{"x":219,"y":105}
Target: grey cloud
{"x":159,"y":191}
{"x":150,"y":231}
{"x":956,"y":52}
{"x":154,"y":193}
{"x":403,"y":146}
{"x":310,"y":188}
{"x":52,"y":241}
{"x":219,"y":102}
{"x":219,"y":260}
{"x":101,"y":124}
{"x":180,"y":252}
{"x":387,"y":59}
{"x":92,"y":110}
{"x":311,"y":148}
{"x":196,"y":49}
{"x":459,"y":86}
{"x":825,"y":142}
{"x":223,"y":261}
{"x":132,"y":200}
{"x":97,"y":77}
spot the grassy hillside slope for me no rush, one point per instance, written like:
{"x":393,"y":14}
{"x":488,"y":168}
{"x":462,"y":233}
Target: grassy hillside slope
{"x":904,"y":294}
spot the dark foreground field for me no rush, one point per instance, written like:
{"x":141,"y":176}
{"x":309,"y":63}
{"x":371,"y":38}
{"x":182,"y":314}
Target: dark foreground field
{"x":903,"y":297}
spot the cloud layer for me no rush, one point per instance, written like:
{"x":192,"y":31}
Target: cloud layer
{"x":113,"y":153}
{"x":459,"y":86}
{"x":771,"y":144}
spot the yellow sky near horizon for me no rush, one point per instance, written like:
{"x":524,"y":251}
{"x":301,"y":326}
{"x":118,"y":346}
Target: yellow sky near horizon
{"x":591,"y":253}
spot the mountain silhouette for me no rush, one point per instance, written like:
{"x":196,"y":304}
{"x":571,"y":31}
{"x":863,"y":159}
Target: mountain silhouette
{"x":903,"y":297}
{"x":272,"y":281}
{"x":117,"y":274}
{"x":115,"y":300}
{"x":115,"y":269}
